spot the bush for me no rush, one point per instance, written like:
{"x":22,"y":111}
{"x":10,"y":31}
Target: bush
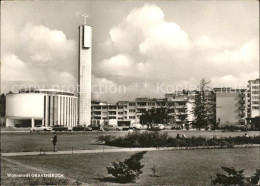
{"x":157,"y":139}
{"x":256,"y":177}
{"x":128,"y":170}
{"x":235,"y":177}
{"x":105,"y":139}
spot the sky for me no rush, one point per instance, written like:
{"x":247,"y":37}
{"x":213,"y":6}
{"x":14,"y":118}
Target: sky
{"x":139,"y":48}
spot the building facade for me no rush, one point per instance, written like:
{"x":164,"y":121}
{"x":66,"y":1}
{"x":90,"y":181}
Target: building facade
{"x":179,"y":107}
{"x":46,"y":107}
{"x":253,"y":98}
{"x":230,"y":106}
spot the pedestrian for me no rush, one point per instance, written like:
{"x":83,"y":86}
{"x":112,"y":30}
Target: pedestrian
{"x":54,"y":141}
{"x":183,"y":136}
{"x":178,"y":136}
{"x":246,"y":135}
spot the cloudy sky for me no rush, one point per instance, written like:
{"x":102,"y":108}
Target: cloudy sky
{"x":140,"y":48}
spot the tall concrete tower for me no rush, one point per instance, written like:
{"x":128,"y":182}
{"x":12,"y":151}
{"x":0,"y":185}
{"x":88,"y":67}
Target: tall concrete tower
{"x":84,"y":75}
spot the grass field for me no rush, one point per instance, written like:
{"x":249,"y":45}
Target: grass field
{"x":26,"y":142}
{"x":194,"y":167}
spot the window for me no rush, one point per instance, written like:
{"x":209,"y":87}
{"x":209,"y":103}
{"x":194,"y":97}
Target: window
{"x":255,"y":108}
{"x":131,"y":104}
{"x":112,"y":112}
{"x":112,"y":107}
{"x":97,"y":113}
{"x":131,"y":110}
{"x":255,"y":92}
{"x":170,"y":104}
{"x":131,"y":117}
{"x":255,"y":102}
{"x":120,"y":113}
{"x":141,"y":104}
{"x":141,"y":110}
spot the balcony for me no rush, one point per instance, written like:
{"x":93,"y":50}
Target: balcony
{"x":242,"y":107}
{"x":180,"y":106}
{"x":242,"y":114}
{"x":241,"y":95}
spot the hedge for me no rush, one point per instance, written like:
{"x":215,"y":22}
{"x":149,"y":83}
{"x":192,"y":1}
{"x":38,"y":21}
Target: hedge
{"x":157,"y":139}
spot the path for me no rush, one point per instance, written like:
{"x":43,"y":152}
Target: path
{"x":120,"y":150}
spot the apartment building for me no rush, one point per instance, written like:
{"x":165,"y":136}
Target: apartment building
{"x":230,"y":106}
{"x":253,"y":98}
{"x":178,"y":104}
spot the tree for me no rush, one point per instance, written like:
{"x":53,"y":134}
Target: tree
{"x":155,"y":115}
{"x":211,"y":109}
{"x":128,"y":170}
{"x":202,"y":107}
{"x":2,"y":105}
{"x":216,"y":124}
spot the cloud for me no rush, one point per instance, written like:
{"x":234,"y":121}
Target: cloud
{"x":244,"y":55}
{"x":118,"y":65}
{"x":13,"y":68}
{"x":146,"y":47}
{"x":46,"y":45}
{"x":206,"y":42}
{"x":238,"y":81}
{"x":135,"y":26}
{"x":164,"y":37}
{"x":37,"y":55}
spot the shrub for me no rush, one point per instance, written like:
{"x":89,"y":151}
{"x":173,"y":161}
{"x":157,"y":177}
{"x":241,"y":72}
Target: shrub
{"x":235,"y":177}
{"x":105,"y":139}
{"x":157,"y":139}
{"x":256,"y":177}
{"x":128,"y":170}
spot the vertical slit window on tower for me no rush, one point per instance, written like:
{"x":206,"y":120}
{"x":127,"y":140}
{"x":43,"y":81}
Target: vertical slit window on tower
{"x":49,"y":109}
{"x":44,"y":107}
{"x":53,"y":111}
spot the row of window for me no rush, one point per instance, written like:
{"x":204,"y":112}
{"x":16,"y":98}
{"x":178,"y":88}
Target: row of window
{"x":113,"y":117}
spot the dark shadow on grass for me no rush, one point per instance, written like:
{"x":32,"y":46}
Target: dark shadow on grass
{"x":112,"y":180}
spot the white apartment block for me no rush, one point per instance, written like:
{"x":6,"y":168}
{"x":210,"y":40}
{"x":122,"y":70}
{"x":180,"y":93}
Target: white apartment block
{"x":178,"y":104}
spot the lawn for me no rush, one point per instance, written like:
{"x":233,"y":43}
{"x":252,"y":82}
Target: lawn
{"x":26,"y":142}
{"x":191,"y":167}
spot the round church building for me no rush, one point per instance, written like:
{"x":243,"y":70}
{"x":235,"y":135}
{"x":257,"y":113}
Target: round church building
{"x":46,"y":107}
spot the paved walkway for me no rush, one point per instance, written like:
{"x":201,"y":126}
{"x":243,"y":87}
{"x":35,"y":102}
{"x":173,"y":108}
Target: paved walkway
{"x":121,"y":150}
